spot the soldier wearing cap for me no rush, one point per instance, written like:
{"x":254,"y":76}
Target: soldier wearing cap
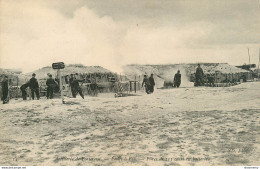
{"x":51,"y":84}
{"x":34,"y":86}
{"x":4,"y":85}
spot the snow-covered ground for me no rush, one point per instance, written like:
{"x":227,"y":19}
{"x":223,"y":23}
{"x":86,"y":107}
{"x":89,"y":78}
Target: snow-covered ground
{"x":185,"y":126}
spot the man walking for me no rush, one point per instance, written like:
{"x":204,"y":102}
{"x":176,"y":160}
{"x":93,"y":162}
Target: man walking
{"x":177,"y":79}
{"x":152,"y":83}
{"x":34,"y":86}
{"x":23,"y":89}
{"x":146,"y":82}
{"x":4,"y":85}
{"x":50,"y":86}
{"x":199,"y":76}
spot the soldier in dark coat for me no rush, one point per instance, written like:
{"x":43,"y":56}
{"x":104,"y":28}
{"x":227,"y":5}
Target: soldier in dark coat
{"x":23,"y":89}
{"x":34,"y":86}
{"x":147,"y":84}
{"x":51,"y":84}
{"x":199,"y":76}
{"x":71,"y":85}
{"x":177,"y":79}
{"x":152,"y":83}
{"x":76,"y":88}
{"x":4,"y":85}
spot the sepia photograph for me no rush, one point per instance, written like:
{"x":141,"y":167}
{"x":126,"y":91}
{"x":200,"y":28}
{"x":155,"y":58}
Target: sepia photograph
{"x":130,"y":83}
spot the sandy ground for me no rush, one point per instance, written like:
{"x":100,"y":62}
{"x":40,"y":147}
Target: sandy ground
{"x":185,"y":126}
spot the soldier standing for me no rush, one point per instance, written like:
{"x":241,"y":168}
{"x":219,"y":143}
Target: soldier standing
{"x":71,"y":85}
{"x":34,"y":86}
{"x":177,"y":79}
{"x":23,"y":89}
{"x":50,"y":86}
{"x":152,"y":83}
{"x":4,"y":85}
{"x":199,"y":76}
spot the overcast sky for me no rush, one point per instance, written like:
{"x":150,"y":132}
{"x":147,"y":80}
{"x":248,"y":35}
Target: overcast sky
{"x":111,"y":33}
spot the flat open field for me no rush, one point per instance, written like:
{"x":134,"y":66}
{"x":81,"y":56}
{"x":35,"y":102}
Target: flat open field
{"x":185,"y":126}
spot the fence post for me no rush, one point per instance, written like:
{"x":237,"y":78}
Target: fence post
{"x":135,"y":84}
{"x":17,"y":89}
{"x":130,"y":86}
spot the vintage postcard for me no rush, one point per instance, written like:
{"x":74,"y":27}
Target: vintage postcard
{"x":130,"y":83}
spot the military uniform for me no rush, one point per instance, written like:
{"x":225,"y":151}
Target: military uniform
{"x":51,"y":84}
{"x":147,"y":84}
{"x":71,"y":85}
{"x":34,"y":86}
{"x":199,"y":77}
{"x":76,"y":88}
{"x":152,"y":84}
{"x":4,"y":85}
{"x":177,"y":80}
{"x":23,"y":89}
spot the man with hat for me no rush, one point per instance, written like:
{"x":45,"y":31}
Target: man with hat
{"x":4,"y":85}
{"x":51,"y":84}
{"x":34,"y":86}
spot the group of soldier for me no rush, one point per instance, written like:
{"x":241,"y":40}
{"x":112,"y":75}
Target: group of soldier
{"x":34,"y":88}
{"x":199,"y":75}
{"x":75,"y":88}
{"x":149,"y":84}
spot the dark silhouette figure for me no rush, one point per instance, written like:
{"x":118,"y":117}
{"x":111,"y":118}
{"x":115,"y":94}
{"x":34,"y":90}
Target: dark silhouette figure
{"x":199,"y":76}
{"x":34,"y":86}
{"x":51,"y":84}
{"x":23,"y":90}
{"x":76,"y":88}
{"x":147,"y":84}
{"x":177,"y":79}
{"x":4,"y":85}
{"x":152,"y":83}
